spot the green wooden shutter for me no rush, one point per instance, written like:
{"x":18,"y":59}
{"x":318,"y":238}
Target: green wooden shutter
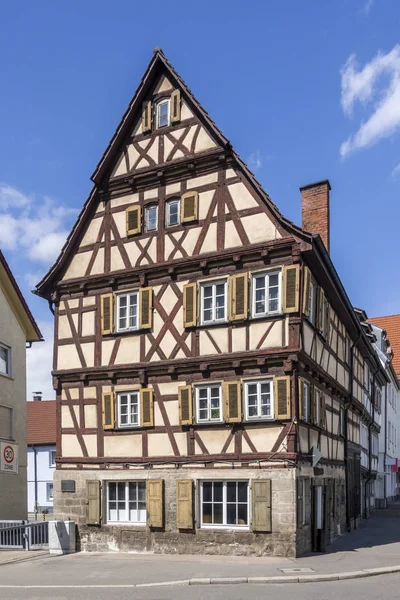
{"x":146,"y":308}
{"x":133,"y":216}
{"x":93,"y":503}
{"x":107,"y":313}
{"x":261,"y":505}
{"x":189,"y":206}
{"x":238,"y":296}
{"x":175,"y":106}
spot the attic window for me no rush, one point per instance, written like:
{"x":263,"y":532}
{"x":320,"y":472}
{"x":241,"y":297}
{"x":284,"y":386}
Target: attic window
{"x":162,"y":113}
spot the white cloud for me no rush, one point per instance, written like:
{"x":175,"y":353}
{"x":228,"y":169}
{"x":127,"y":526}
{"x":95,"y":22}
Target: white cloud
{"x":39,"y":363}
{"x":32,"y":278}
{"x":395,"y":172}
{"x":367,"y":7}
{"x":255,"y":160}
{"x":35,"y":226}
{"x":376,"y":84}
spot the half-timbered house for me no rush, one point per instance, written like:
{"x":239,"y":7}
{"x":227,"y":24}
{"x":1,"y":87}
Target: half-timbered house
{"x":206,"y":355}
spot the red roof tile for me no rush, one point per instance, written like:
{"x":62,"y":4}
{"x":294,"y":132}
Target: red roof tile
{"x":41,"y":422}
{"x":392,"y":326}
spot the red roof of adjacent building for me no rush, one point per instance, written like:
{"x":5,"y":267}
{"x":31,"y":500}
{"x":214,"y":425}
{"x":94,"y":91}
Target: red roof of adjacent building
{"x":41,"y":421}
{"x":391,"y":324}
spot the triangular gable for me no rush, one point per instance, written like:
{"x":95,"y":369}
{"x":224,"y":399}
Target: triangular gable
{"x":159,"y":75}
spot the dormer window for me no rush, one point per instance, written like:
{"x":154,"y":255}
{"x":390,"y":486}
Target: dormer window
{"x":162,"y":113}
{"x":150,"y":217}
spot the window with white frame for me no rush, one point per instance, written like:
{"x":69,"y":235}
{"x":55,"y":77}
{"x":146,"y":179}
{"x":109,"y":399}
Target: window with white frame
{"x":224,"y":504}
{"x":208,"y":403}
{"x":151,"y":217}
{"x":173,"y":212}
{"x":128,"y":409}
{"x":312,"y":302}
{"x":213,"y":301}
{"x":306,"y":401}
{"x":52,"y":458}
{"x":342,"y":427}
{"x":266,"y":291}
{"x":128,"y":311}
{"x":5,"y":360}
{"x":259,"y":399}
{"x":126,"y":502}
{"x":49,"y":492}
{"x":6,"y":422}
{"x":162,"y":113}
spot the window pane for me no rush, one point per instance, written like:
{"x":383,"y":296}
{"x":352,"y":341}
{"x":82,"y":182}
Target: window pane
{"x":273,"y":280}
{"x":207,"y":491}
{"x":151,"y":218}
{"x":218,"y":487}
{"x":220,"y":289}
{"x":242,"y":514}
{"x":218,"y":514}
{"x":231,"y":491}
{"x":112,"y":491}
{"x":215,"y":414}
{"x":132,"y":492}
{"x":242,"y":491}
{"x":163,"y":114}
{"x":207,"y":291}
{"x":207,"y":513}
{"x":231,"y":514}
{"x":121,"y":491}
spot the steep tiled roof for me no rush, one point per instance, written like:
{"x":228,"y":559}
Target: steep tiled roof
{"x":392,"y":326}
{"x":41,"y":422}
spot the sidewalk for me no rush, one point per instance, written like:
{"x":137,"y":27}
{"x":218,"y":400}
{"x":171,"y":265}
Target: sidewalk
{"x":15,"y":556}
{"x":374,"y":546}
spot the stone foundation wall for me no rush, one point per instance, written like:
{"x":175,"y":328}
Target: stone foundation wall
{"x":124,"y":537}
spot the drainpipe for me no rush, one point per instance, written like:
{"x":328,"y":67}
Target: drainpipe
{"x":346,"y":437}
{"x":36,"y":482}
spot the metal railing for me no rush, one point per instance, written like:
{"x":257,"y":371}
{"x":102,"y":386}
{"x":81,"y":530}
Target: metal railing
{"x":19,"y":534}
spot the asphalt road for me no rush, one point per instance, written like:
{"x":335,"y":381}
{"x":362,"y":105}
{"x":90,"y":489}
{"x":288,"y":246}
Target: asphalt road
{"x":376,"y":588}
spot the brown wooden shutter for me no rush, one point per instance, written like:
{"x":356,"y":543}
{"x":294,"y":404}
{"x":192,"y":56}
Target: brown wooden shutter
{"x":146,"y":308}
{"x":306,"y":291}
{"x":261,"y":505}
{"x":320,"y":309}
{"x":326,"y":320}
{"x":146,"y":117}
{"x":323,"y":412}
{"x":107,"y":313}
{"x":175,"y":106}
{"x":185,"y":402}
{"x":155,"y":503}
{"x":282,"y":397}
{"x":133,"y":216}
{"x":232,"y":392}
{"x":301,"y":398}
{"x":108,"y":410}
{"x":93,"y":504}
{"x":238,"y":296}
{"x":189,"y":305}
{"x":313,"y":405}
{"x":290,"y":296}
{"x":189,"y":206}
{"x":146,"y":407}
{"x":184,"y":504}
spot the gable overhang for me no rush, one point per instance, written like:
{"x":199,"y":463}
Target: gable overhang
{"x":18,"y":303}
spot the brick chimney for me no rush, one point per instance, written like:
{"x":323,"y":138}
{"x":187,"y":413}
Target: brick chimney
{"x":315,"y":209}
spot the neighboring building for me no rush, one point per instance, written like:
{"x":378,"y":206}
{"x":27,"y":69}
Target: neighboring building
{"x":41,"y":455}
{"x":17,"y":328}
{"x":206,"y":353}
{"x":385,"y":330}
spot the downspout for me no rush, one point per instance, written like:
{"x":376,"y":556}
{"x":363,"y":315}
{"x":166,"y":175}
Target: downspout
{"x":36,"y":482}
{"x":346,"y":436}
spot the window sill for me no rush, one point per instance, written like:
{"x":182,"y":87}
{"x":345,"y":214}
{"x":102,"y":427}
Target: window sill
{"x":260,"y":420}
{"x":204,"y":423}
{"x":10,"y":377}
{"x":266,"y":316}
{"x":126,"y":523}
{"x":226,"y":527}
{"x":214,"y":324}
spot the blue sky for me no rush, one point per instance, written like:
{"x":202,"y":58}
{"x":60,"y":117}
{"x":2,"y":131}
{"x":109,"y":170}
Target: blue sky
{"x":304,"y":91}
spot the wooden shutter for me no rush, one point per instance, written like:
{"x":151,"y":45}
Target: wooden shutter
{"x":146,"y":117}
{"x":326,"y":319}
{"x":261,"y":505}
{"x":146,"y":407}
{"x":290,"y":296}
{"x":238,"y":296}
{"x":184,"y":504}
{"x":320,"y":309}
{"x":189,"y":305}
{"x":133,"y":216}
{"x":301,"y":398}
{"x":108,"y":410}
{"x":155,"y":504}
{"x":175,"y":106}
{"x":313,"y":405}
{"x":306,"y":291}
{"x":107,"y":313}
{"x":323,"y":412}
{"x":146,"y":308}
{"x":232,"y":391}
{"x":189,"y":206}
{"x":282,"y":397}
{"x":93,"y":504}
{"x":185,"y":404}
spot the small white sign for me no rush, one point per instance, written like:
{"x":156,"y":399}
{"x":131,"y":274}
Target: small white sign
{"x":8,"y":458}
